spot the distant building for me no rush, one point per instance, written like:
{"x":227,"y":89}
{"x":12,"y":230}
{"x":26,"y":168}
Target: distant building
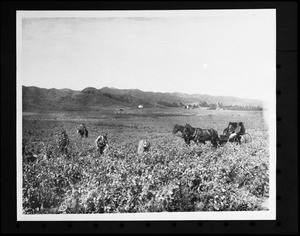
{"x":140,"y":106}
{"x":119,"y":110}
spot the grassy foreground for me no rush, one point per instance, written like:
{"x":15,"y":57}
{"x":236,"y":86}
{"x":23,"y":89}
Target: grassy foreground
{"x":171,"y":177}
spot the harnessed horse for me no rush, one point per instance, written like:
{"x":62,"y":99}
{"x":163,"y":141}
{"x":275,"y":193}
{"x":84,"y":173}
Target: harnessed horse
{"x":178,"y":128}
{"x":200,"y":135}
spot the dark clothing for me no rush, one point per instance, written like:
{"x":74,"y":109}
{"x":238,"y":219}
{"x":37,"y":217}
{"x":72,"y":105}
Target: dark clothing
{"x":63,"y":143}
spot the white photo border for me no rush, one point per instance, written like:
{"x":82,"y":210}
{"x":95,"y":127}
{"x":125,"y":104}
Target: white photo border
{"x":163,"y":216}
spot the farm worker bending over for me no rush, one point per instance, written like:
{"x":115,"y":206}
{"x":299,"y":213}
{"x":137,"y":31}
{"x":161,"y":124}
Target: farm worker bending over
{"x":63,"y":142}
{"x":82,"y":131}
{"x":101,"y":143}
{"x":144,"y":146}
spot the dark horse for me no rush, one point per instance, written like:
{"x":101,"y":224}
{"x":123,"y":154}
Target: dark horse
{"x":200,"y":135}
{"x":178,"y":128}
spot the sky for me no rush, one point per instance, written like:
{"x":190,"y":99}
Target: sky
{"x":229,"y":53}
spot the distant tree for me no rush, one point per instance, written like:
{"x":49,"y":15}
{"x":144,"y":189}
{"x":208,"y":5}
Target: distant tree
{"x":220,"y":105}
{"x":242,"y":108}
{"x":212,"y":106}
{"x":204,"y":104}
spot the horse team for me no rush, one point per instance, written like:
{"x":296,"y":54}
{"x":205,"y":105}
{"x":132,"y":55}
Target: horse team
{"x":232,"y":132}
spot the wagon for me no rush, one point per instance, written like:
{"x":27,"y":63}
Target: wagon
{"x":245,"y":138}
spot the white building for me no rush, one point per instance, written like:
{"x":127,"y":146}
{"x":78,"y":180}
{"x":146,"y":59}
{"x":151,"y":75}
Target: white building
{"x":140,"y":106}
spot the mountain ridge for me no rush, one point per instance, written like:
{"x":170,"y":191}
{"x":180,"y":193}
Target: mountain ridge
{"x":91,"y":98}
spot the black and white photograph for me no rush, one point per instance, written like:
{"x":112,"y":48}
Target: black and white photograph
{"x":146,"y":115}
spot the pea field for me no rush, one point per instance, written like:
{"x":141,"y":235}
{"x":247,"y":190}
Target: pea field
{"x":171,"y":177}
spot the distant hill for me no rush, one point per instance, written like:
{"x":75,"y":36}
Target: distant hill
{"x":90,"y":98}
{"x":35,"y":98}
{"x":177,"y":98}
{"x":226,"y":100}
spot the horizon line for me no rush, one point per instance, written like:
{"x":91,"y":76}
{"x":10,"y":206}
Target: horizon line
{"x":203,"y":94}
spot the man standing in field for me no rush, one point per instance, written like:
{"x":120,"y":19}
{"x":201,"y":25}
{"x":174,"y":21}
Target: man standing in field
{"x":63,"y":142}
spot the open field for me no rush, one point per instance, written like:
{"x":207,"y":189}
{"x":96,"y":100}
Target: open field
{"x":170,"y":177}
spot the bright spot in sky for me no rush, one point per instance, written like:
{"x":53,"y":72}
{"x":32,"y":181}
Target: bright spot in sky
{"x":205,"y":65}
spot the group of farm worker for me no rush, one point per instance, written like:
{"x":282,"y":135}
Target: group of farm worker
{"x":234,"y":130}
{"x":101,"y":141}
{"x":63,"y":140}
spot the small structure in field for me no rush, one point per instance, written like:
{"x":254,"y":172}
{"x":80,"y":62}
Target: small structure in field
{"x":140,"y":106}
